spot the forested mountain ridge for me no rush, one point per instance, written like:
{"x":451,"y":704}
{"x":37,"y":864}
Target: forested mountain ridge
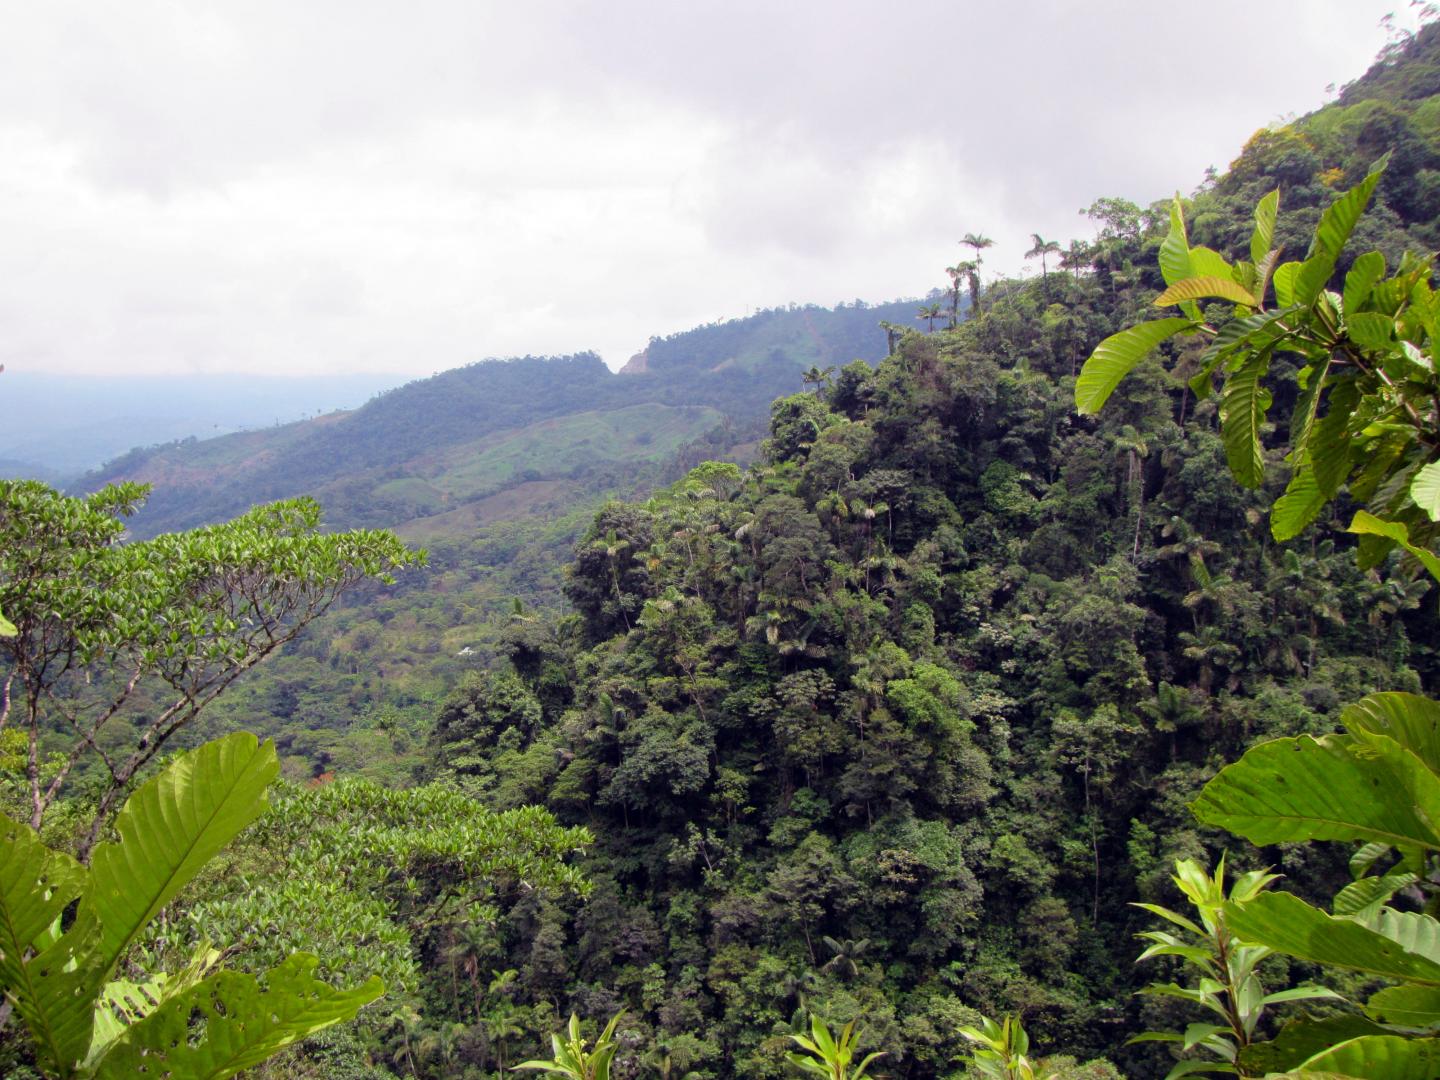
{"x":359,"y":462}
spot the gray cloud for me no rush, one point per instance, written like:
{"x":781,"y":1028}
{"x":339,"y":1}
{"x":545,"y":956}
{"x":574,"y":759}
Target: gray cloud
{"x":336,"y":185}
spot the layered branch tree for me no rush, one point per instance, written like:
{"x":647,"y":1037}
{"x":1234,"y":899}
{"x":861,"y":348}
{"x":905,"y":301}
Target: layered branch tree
{"x":119,"y":645}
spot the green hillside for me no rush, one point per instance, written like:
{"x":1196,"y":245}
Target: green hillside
{"x":361,"y":462}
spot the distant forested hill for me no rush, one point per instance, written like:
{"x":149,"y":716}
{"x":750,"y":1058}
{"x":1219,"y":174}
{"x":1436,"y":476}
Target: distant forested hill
{"x":388,"y":462}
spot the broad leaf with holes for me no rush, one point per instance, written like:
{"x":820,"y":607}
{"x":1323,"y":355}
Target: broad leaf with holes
{"x":228,"y":1022}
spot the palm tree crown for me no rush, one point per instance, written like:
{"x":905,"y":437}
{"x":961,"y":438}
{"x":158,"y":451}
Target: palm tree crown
{"x":1041,"y":249}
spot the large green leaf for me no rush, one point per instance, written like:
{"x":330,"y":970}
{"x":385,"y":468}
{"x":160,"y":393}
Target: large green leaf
{"x":1379,"y":1057}
{"x":1362,"y":899}
{"x":1366,"y":271}
{"x":1369,"y":525}
{"x":1206,"y":288}
{"x":1284,"y":279}
{"x":1425,"y":490}
{"x":1414,"y":931}
{"x":123,"y":1003}
{"x":228,"y":1022}
{"x":1323,"y":462}
{"x":64,"y":979}
{"x":1312,"y":381}
{"x":1371,"y":330}
{"x":1411,"y":720}
{"x":1235,"y":338}
{"x":1206,"y":262}
{"x":1243,"y":404}
{"x":170,"y":828}
{"x":1114,"y":358}
{"x":1408,"y":1006}
{"x":1266,"y":211}
{"x":1298,"y":507}
{"x":1331,"y":234}
{"x":1288,"y":925}
{"x":1300,"y":1040}
{"x":1331,"y":788}
{"x":1175,"y":248}
{"x":36,"y":886}
{"x":1328,"y":447}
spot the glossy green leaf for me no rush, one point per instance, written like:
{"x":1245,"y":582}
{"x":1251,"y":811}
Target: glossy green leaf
{"x":1263,"y":237}
{"x":243,"y":1024}
{"x":1371,"y":330}
{"x":1205,"y":262}
{"x":1362,"y":277}
{"x":1425,"y":490}
{"x":1116,"y":356}
{"x":1362,"y":899}
{"x":1263,"y":328}
{"x":171,"y":827}
{"x":1312,"y":381}
{"x":1365,"y":858}
{"x":1206,"y":288}
{"x":1300,"y":1040}
{"x":1411,"y":720}
{"x":1288,"y":925}
{"x":1328,"y":447}
{"x":1379,"y":1057}
{"x":1331,"y":235}
{"x":1175,"y":248}
{"x":1298,"y":507}
{"x":1368,"y":524}
{"x":1301,"y":993}
{"x":1284,"y":281}
{"x":1243,"y":404}
{"x":1331,"y":788}
{"x":1408,"y":1006}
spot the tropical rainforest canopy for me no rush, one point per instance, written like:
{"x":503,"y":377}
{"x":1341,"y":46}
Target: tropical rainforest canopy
{"x":896,"y":726}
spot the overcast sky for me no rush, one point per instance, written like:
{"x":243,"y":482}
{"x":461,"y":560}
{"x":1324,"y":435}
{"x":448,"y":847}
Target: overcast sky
{"x":315,"y":186}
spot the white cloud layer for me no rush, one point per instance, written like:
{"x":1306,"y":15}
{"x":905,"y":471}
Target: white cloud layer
{"x":281,"y":187}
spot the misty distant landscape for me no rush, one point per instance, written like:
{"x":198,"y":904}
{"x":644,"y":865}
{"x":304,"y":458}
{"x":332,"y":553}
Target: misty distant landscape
{"x":61,"y":426}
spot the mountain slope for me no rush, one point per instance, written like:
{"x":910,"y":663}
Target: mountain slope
{"x":377,"y":464}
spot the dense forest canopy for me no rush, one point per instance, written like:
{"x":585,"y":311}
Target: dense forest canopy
{"x":896,"y":726}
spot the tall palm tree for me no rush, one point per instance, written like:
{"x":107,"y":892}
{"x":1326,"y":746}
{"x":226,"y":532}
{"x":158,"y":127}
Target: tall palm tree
{"x":1041,"y":249}
{"x":979,"y":242}
{"x":1077,"y":257}
{"x":817,"y":378}
{"x":929,"y":312}
{"x":611,"y":546}
{"x":972,"y":282}
{"x":958,"y":273}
